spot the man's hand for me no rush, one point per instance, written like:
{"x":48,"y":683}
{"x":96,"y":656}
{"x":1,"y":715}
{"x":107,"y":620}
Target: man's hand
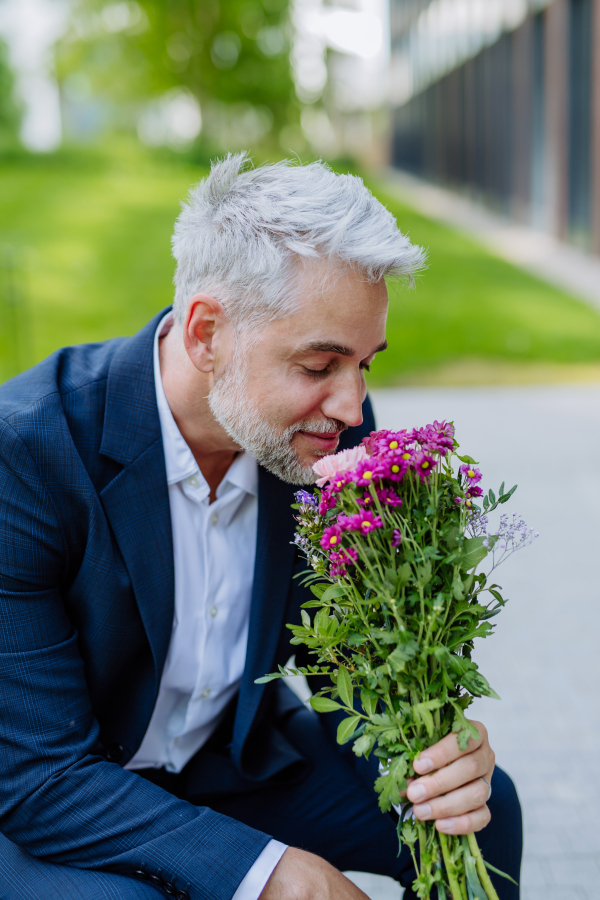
{"x":303,"y":876}
{"x":454,"y":794}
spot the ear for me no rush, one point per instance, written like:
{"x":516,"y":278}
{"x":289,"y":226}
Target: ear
{"x":205,"y":320}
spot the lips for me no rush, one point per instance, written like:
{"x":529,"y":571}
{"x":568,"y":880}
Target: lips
{"x":322,"y":442}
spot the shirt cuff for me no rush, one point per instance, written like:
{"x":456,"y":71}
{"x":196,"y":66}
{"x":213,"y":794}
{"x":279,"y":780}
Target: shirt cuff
{"x":252,"y":886}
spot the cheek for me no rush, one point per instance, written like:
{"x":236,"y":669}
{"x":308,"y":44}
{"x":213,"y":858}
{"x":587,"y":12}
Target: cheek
{"x":293,"y":400}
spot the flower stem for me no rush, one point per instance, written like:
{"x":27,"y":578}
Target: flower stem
{"x":450,"y":869}
{"x":484,"y":877}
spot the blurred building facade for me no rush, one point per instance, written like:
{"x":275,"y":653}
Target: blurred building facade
{"x":501,"y":98}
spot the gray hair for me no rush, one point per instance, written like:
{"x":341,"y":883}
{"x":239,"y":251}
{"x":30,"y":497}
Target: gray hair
{"x":243,"y":231}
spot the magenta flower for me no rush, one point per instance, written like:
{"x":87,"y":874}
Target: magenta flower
{"x":393,"y":466}
{"x":390,"y":442}
{"x":458,"y":500}
{"x":396,"y":537}
{"x":471,"y":474}
{"x":332,"y":537}
{"x":364,"y":521}
{"x":365,"y":500}
{"x":327,"y":502}
{"x":366,"y":472}
{"x":339,"y":480}
{"x":423,"y":464}
{"x":388,"y":497}
{"x":474,"y":491}
{"x":339,"y":561}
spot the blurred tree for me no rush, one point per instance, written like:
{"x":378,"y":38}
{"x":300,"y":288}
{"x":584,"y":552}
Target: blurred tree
{"x":10,"y":111}
{"x":232,"y":55}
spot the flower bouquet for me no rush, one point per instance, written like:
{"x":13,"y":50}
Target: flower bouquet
{"x":393,"y":536}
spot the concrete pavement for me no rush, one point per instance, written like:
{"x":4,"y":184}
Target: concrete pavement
{"x":544,"y":659}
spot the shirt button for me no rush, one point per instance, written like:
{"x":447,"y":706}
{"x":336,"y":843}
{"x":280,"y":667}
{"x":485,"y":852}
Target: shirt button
{"x":193,"y":481}
{"x":214,"y":519}
{"x":213,"y":611}
{"x":206,"y":692}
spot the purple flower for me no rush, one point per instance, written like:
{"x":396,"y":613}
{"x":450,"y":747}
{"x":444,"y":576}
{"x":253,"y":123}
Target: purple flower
{"x":423,"y":464}
{"x":366,"y":472}
{"x":339,"y":561}
{"x":472,"y":474}
{"x":327,"y":502}
{"x":458,"y":500}
{"x":474,"y":491}
{"x":306,"y":498}
{"x":393,"y":466}
{"x":396,"y":537}
{"x":332,"y":537}
{"x":388,"y":497}
{"x":364,"y":521}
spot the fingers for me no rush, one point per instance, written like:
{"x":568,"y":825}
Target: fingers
{"x":446,"y":751}
{"x":464,"y":800}
{"x":458,"y":773}
{"x":473,"y":821}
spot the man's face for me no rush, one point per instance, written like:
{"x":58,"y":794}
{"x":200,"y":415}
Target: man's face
{"x":289,"y":394}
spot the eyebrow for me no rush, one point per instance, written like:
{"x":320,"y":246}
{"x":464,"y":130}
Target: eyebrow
{"x":332,"y":347}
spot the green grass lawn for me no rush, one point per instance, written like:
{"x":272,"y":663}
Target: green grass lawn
{"x":88,"y":235}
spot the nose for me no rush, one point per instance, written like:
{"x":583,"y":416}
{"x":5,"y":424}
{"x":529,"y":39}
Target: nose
{"x":345,"y":401}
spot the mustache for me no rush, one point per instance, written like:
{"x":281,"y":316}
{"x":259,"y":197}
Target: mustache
{"x":320,"y":426}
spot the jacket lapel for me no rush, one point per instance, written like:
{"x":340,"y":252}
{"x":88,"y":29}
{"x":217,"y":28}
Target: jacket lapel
{"x":136,"y":501}
{"x":272,"y":581}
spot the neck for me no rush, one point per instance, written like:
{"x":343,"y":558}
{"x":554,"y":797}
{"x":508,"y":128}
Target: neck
{"x":186,"y":390}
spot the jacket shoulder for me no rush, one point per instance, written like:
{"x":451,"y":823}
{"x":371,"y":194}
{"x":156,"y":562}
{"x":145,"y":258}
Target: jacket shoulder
{"x":63,"y":372}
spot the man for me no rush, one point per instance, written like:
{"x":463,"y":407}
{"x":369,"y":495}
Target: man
{"x":146,"y":574}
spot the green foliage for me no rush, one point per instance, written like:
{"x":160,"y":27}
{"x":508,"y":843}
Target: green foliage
{"x":10,"y":110}
{"x":91,"y":231}
{"x":401,"y":575}
{"x":233,"y":55}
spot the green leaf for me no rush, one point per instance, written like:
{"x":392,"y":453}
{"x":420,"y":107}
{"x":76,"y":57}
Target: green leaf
{"x":505,"y":497}
{"x":364,"y":744}
{"x":475,"y":682}
{"x":305,"y":618}
{"x":403,"y":576}
{"x":369,"y":702}
{"x":391,"y":783}
{"x":473,"y":552}
{"x":410,"y":834}
{"x":346,"y":729}
{"x":492,"y":496}
{"x":458,"y":590}
{"x":265,"y":678}
{"x":318,"y":589}
{"x":463,"y":728}
{"x":324,"y":704}
{"x":311,"y":603}
{"x":472,"y":876}
{"x":355,"y":639}
{"x":498,"y":872}
{"x":467,"y":459}
{"x":333,"y":591}
{"x":344,"y":686}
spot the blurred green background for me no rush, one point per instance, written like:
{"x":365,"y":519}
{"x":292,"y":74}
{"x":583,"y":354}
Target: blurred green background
{"x":85,"y":229}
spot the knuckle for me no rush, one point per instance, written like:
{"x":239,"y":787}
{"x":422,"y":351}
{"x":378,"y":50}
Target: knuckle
{"x":472,"y":766}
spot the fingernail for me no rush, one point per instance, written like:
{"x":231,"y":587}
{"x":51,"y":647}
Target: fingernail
{"x":415,"y":792}
{"x":424,"y":763}
{"x":446,"y":825}
{"x":423,"y":811}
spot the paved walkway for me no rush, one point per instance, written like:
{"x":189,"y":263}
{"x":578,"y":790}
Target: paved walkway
{"x":544,"y":659}
{"x":560,"y":264}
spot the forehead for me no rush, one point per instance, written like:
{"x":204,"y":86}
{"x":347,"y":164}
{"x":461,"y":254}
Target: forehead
{"x":334,"y":302}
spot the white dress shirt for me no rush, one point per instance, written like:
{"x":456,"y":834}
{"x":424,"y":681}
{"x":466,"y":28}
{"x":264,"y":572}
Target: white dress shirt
{"x":214,"y":546}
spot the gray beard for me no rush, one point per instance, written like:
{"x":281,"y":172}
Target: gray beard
{"x":243,"y":422}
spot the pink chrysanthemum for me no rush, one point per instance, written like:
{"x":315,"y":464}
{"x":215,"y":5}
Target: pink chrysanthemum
{"x":472,"y":475}
{"x":423,"y":464}
{"x":393,"y":466}
{"x":332,"y":537}
{"x":366,"y":472}
{"x":364,"y":522}
{"x":327,"y":502}
{"x":474,"y":491}
{"x":388,"y":497}
{"x":396,"y":537}
{"x":329,"y":466}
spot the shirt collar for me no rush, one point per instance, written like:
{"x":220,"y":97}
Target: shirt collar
{"x":179,"y":459}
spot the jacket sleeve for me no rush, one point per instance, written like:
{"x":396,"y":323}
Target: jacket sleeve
{"x":59,"y":800}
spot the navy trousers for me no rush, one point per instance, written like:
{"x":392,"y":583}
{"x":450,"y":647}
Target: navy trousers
{"x":331,"y":811}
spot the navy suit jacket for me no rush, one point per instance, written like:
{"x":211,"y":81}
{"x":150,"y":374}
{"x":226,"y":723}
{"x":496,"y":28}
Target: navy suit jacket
{"x":86,"y":609}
